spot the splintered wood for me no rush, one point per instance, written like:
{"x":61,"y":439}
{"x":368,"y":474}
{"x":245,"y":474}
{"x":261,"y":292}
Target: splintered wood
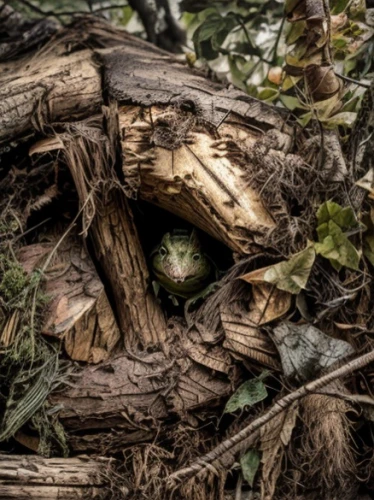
{"x":78,"y":311}
{"x":196,"y":172}
{"x":32,"y":477}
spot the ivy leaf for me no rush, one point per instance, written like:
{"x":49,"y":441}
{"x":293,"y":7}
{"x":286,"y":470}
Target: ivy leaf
{"x":290,"y":275}
{"x":336,"y":247}
{"x":203,"y":35}
{"x":343,"y":217}
{"x":249,"y":464}
{"x":248,"y":394}
{"x":369,"y":248}
{"x":210,"y":35}
{"x":333,"y":244}
{"x":268,"y":94}
{"x":346,"y":118}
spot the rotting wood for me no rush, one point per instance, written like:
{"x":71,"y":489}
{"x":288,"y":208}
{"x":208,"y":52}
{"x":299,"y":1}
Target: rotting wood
{"x":120,"y":254}
{"x":123,"y":400}
{"x":173,"y":161}
{"x":32,"y":477}
{"x":115,"y":238}
{"x":47,"y":89}
{"x":78,"y":309}
{"x":134,"y":75}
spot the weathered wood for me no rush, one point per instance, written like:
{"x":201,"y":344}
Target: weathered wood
{"x":120,"y":254}
{"x":107,"y":219}
{"x":25,"y":477}
{"x":171,"y":160}
{"x":78,"y":309}
{"x":57,"y":85}
{"x":133,"y":75}
{"x":45,"y":90}
{"x":123,"y":400}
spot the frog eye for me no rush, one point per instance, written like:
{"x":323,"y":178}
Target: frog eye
{"x":163,"y":251}
{"x":196,"y":257}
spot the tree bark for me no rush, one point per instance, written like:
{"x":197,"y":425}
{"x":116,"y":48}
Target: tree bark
{"x":31,"y":477}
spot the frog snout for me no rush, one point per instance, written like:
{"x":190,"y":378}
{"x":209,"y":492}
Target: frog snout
{"x":179,"y":280}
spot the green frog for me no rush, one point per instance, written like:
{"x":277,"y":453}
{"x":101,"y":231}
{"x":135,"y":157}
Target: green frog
{"x":181,"y":267}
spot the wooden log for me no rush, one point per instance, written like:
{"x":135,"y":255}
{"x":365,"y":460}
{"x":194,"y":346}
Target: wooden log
{"x":123,"y":400}
{"x":26,"y":477}
{"x":172,"y":160}
{"x":120,"y":254}
{"x":78,"y":310}
{"x":48,"y":89}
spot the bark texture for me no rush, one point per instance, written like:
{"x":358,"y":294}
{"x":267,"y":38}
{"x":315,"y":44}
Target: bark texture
{"x":31,"y":477}
{"x":78,"y":310}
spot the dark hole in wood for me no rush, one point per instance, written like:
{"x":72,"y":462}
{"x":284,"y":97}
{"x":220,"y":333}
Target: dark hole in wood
{"x":153,"y":222}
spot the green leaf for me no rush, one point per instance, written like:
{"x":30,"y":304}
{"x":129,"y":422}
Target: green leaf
{"x":305,"y":118}
{"x":296,"y":30}
{"x":268,"y":94}
{"x":292,"y":275}
{"x":210,"y":35}
{"x":352,"y":104}
{"x":369,"y":248}
{"x":127,"y":14}
{"x":344,"y":217}
{"x":290,"y":81}
{"x":207,"y":29}
{"x":336,"y":247}
{"x":338,"y":6}
{"x":346,"y":118}
{"x":194,"y":6}
{"x":245,"y":48}
{"x":237,"y":76}
{"x":248,"y":394}
{"x":250,"y":463}
{"x":340,"y":43}
{"x":203,"y":34}
{"x":291,"y":102}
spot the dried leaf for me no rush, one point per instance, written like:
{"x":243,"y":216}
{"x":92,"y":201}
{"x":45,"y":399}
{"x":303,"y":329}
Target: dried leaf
{"x":246,"y":339}
{"x":46,"y":145}
{"x":322,"y":82}
{"x":367,"y":182}
{"x":346,"y":118}
{"x":214,"y":357}
{"x":248,"y":394}
{"x":275,"y":435}
{"x":49,"y":194}
{"x":305,"y":350}
{"x":268,"y":303}
{"x":249,"y":464}
{"x":290,"y":275}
